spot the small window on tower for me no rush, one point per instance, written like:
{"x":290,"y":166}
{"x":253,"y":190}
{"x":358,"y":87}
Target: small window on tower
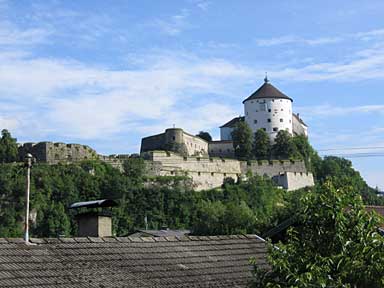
{"x":281,"y":120}
{"x":282,"y":109}
{"x":269,"y":120}
{"x":265,"y":129}
{"x":263,"y":107}
{"x":269,"y":110}
{"x":255,"y":121}
{"x":275,"y":129}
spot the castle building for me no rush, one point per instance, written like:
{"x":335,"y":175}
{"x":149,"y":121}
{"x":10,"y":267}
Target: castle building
{"x":268,"y":109}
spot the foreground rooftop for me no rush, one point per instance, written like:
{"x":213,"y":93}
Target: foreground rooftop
{"x":187,"y":261}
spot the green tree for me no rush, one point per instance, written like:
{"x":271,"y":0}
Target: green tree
{"x":261,"y":145}
{"x":8,"y":147}
{"x":284,"y":147}
{"x":205,"y":135}
{"x":335,"y":243}
{"x":134,"y":169}
{"x":306,"y":152}
{"x":242,"y":140}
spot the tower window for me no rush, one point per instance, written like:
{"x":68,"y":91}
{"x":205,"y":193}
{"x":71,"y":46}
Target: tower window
{"x":269,"y":120}
{"x":281,"y":120}
{"x":263,"y":107}
{"x":275,"y":129}
{"x":282,"y":109}
{"x":255,"y":121}
{"x":269,"y":110}
{"x":265,"y":129}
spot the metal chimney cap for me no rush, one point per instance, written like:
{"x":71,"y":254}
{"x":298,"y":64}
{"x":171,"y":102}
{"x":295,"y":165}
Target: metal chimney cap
{"x":94,"y":204}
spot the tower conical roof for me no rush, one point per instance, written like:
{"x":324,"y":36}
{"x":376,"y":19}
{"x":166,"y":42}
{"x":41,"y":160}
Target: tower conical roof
{"x":267,"y":90}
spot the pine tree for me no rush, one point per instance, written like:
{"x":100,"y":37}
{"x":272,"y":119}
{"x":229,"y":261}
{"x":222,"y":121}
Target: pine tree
{"x":242,"y":141}
{"x":261,"y":145}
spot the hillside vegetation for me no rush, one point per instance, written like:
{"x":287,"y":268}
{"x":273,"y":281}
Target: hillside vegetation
{"x":250,"y":206}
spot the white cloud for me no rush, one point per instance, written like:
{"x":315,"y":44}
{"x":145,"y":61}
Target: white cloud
{"x":11,"y":35}
{"x":291,"y":39}
{"x":332,"y":110}
{"x":173,"y":25}
{"x":294,"y":39}
{"x":71,"y":99}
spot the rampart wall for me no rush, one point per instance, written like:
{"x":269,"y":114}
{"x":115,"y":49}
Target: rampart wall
{"x":273,"y":167}
{"x":207,"y":173}
{"x":294,"y":180}
{"x":53,"y":153}
{"x":221,"y":149}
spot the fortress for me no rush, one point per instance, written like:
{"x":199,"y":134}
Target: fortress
{"x":176,"y":152}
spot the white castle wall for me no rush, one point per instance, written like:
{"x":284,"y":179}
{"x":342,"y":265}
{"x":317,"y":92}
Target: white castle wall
{"x":298,"y":127}
{"x":195,"y":145}
{"x":294,"y":180}
{"x":272,"y":115}
{"x":207,"y":173}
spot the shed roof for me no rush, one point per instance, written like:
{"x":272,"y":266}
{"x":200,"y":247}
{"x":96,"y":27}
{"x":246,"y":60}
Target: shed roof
{"x":190,"y":261}
{"x":267,"y":90}
{"x":94,"y":204}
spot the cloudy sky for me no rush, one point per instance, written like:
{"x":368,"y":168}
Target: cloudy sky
{"x":106,"y":73}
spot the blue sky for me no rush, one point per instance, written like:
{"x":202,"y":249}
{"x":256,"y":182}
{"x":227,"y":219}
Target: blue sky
{"x":106,"y":73}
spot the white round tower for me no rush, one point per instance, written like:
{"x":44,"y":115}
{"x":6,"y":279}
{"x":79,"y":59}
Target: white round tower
{"x":268,"y":109}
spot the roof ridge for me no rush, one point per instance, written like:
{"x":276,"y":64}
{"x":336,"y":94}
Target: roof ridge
{"x":127,"y":239}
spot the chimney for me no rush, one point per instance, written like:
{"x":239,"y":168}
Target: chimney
{"x":94,"y":218}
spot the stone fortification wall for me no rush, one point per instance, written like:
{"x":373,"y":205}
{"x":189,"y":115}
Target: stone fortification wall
{"x":221,"y":149}
{"x":298,"y":127}
{"x":155,"y":142}
{"x":272,"y":168}
{"x":115,"y":161}
{"x":53,"y":153}
{"x":206,"y":173}
{"x":175,"y":140}
{"x":294,"y":180}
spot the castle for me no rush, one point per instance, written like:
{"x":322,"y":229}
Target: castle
{"x":267,"y":109}
{"x":207,"y":163}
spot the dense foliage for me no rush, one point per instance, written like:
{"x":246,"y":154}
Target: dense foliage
{"x":242,"y":141}
{"x":244,"y":207}
{"x":285,"y":146}
{"x":205,"y":135}
{"x":8,"y":147}
{"x":261,"y":145}
{"x":335,"y":243}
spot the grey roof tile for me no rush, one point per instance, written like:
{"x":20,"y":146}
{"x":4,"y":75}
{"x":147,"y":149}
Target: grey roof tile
{"x":162,"y":262}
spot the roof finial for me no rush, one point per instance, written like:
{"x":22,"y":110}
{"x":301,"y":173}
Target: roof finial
{"x":266,"y":78}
